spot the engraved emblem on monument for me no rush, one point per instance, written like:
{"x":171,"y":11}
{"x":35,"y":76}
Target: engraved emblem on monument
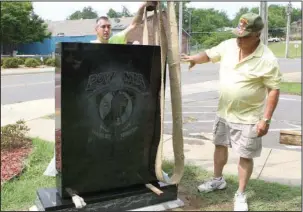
{"x":119,"y":100}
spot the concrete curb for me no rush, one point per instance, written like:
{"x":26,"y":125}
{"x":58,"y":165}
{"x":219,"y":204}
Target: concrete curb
{"x":22,"y":72}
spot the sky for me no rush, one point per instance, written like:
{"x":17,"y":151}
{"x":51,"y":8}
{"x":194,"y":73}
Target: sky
{"x":56,"y":11}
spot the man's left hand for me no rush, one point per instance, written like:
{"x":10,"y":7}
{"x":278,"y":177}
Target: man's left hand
{"x":262,"y":128}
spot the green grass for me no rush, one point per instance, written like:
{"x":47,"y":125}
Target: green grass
{"x":279,"y":49}
{"x":291,"y":88}
{"x":20,"y":193}
{"x":262,"y":196}
{"x":51,"y":116}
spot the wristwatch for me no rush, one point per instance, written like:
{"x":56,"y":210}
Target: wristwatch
{"x":267,"y":121}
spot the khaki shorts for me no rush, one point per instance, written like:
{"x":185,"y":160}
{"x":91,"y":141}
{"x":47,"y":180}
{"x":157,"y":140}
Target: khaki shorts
{"x":242,"y":138}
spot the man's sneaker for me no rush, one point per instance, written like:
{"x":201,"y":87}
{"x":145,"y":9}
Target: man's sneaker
{"x":212,"y":185}
{"x":240,"y":202}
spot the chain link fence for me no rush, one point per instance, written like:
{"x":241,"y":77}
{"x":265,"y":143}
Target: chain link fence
{"x":276,"y":40}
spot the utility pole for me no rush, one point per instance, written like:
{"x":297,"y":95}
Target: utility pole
{"x":288,"y":13}
{"x":180,"y":25}
{"x":189,"y":29}
{"x":189,"y":39}
{"x":263,"y":12}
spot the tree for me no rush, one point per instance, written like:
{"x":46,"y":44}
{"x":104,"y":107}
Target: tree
{"x":125,"y":12}
{"x":20,"y":25}
{"x":86,"y":13}
{"x":113,"y":14}
{"x":212,"y":21}
{"x":296,"y":14}
{"x":255,"y":10}
{"x":276,"y":16}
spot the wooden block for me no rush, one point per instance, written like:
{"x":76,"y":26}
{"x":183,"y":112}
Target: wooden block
{"x":154,"y":189}
{"x":290,"y":137}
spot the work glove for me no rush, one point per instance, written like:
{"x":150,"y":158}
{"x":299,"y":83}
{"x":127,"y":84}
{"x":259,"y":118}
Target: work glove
{"x":78,"y":201}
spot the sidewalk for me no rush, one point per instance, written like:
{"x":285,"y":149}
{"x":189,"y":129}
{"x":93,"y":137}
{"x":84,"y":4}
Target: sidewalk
{"x":292,"y":77}
{"x":26,"y":110}
{"x":17,"y":71}
{"x":274,"y":165}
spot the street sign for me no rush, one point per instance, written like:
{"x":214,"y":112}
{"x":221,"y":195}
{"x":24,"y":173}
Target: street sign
{"x":296,"y":46}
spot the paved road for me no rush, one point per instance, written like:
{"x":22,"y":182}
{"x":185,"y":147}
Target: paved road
{"x":199,"y":99}
{"x":18,"y":88}
{"x":27,"y":87}
{"x":199,"y":111}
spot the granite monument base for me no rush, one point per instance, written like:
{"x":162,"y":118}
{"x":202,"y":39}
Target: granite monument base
{"x":126,"y":199}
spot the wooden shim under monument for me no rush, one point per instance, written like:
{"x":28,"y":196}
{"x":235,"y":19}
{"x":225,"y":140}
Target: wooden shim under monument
{"x":291,"y":137}
{"x":154,"y":189}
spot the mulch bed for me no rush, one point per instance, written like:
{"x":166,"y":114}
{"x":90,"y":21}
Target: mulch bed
{"x":12,"y":161}
{"x":58,"y":149}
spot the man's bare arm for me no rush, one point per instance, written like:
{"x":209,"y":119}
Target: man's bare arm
{"x":201,"y":58}
{"x":137,"y":19}
{"x":272,"y":101}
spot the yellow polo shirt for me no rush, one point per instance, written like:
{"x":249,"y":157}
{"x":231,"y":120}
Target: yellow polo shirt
{"x":243,"y":85}
{"x":119,"y":38}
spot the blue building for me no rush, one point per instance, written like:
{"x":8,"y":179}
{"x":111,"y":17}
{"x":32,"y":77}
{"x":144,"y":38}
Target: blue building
{"x":70,"y":31}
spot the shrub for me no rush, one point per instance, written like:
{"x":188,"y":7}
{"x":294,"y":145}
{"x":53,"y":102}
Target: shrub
{"x":14,"y":135}
{"x":32,"y":62}
{"x":39,"y":61}
{"x":45,"y":59}
{"x":10,"y":62}
{"x":2,"y":59}
{"x":50,"y":62}
{"x":21,"y":61}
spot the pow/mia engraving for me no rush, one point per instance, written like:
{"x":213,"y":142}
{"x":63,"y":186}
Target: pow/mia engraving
{"x":118,"y":98}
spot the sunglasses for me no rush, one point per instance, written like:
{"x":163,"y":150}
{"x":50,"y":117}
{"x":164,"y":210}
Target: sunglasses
{"x":105,"y":26}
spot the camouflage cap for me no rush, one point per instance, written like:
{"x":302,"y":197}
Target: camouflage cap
{"x":248,"y":23}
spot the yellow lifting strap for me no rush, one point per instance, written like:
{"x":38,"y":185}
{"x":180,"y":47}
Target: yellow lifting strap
{"x":168,"y":40}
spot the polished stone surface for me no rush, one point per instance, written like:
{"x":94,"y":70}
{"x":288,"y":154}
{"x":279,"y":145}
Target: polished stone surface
{"x":110,"y":116}
{"x":126,"y":199}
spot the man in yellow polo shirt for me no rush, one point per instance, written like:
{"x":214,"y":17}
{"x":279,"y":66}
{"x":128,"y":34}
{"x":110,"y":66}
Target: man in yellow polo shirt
{"x":249,"y":93}
{"x":103,"y":28}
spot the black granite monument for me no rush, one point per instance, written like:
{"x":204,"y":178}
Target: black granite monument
{"x":110,"y":127}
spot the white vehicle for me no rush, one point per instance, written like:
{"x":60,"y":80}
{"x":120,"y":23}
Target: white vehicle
{"x":274,"y":39}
